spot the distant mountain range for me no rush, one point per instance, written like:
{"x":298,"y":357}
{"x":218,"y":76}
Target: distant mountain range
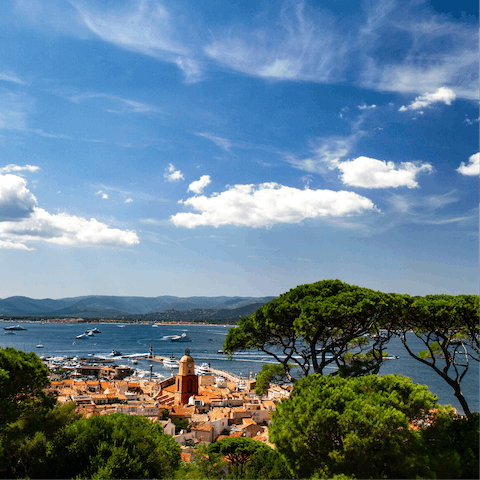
{"x":154,"y":308}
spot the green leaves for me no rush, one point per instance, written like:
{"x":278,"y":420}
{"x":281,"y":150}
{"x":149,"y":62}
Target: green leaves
{"x":114,"y":446}
{"x":355,"y":426}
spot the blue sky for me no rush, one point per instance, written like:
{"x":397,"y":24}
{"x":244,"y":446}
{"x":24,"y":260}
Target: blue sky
{"x":237,"y":148}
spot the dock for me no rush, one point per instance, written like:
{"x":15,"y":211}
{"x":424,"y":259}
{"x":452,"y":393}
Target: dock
{"x":220,"y":373}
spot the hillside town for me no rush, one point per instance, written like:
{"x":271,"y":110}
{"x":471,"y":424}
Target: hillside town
{"x":212,"y":406}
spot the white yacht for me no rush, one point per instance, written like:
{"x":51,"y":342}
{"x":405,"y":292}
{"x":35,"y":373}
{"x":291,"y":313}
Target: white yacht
{"x":203,"y":369}
{"x":181,"y":338}
{"x":171,"y":362}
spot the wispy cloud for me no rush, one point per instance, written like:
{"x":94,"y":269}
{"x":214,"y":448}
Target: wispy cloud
{"x":421,"y":66}
{"x":14,"y":110}
{"x":146,"y":27}
{"x":11,"y":77}
{"x":172,"y":175}
{"x":297,"y":45}
{"x":123,"y":105}
{"x":219,"y":141}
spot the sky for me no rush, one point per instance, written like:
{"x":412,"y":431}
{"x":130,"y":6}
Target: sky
{"x":238,"y":148}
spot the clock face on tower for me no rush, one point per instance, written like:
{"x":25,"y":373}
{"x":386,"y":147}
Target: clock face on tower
{"x":189,"y":365}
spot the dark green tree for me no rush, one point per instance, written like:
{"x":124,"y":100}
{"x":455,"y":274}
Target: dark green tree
{"x":29,"y":417}
{"x":315,"y":326}
{"x":247,"y":458}
{"x":113,"y":446}
{"x":448,"y":328}
{"x":23,"y":378}
{"x":354,"y":426}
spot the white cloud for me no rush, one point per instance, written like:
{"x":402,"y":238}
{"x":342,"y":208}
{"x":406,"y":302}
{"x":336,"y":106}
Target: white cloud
{"x":13,"y":246}
{"x":128,"y":200}
{"x":366,"y":107}
{"x":11,"y":77}
{"x":199,"y":185}
{"x":173,"y":175}
{"x":14,"y":109}
{"x":21,"y":220}
{"x":18,"y":168}
{"x":473,"y":166}
{"x":124,"y":105}
{"x":443,"y":95}
{"x":103,"y":194}
{"x":268,"y":204}
{"x":64,"y":229}
{"x":148,"y":28}
{"x":16,"y":201}
{"x":437,"y":50}
{"x":296,"y":45}
{"x":218,"y":141}
{"x":371,"y":173}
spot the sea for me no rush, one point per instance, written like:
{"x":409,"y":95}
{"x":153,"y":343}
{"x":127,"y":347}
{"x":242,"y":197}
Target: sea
{"x":59,"y":340}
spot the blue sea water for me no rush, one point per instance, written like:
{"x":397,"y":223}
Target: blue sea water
{"x":59,"y":339}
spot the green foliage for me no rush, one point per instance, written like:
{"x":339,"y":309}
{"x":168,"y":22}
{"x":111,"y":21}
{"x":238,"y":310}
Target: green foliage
{"x":448,"y":327}
{"x":453,"y":445}
{"x":113,"y":446}
{"x":204,"y":465}
{"x":165,"y":414}
{"x":314,"y":326}
{"x":181,"y":424}
{"x":237,"y":450}
{"x":22,"y":380}
{"x":29,"y":418}
{"x":269,"y":373}
{"x":353,"y":426}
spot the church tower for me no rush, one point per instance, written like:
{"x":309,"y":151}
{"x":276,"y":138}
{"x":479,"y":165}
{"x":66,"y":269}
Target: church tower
{"x":186,"y":382}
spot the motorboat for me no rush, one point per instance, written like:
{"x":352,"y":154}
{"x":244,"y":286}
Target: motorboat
{"x":203,"y":369}
{"x":39,"y":345}
{"x":90,"y":334}
{"x":93,"y":330}
{"x":181,"y":338}
{"x":14,"y":327}
{"x":82,"y":335}
{"x":115,"y":353}
{"x":171,"y":362}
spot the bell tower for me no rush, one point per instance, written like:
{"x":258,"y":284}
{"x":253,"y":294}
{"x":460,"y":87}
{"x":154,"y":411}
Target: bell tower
{"x":186,"y":382}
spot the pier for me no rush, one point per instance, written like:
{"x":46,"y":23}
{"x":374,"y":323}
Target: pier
{"x":220,"y":373}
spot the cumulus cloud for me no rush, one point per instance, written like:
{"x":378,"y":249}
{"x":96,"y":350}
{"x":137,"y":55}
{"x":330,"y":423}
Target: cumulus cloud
{"x":172,"y":175}
{"x":442,"y":95}
{"x":128,"y":200}
{"x":473,"y":166}
{"x":16,"y":201}
{"x":103,"y":194}
{"x":21,"y":220}
{"x":199,"y":185}
{"x":64,"y":229}
{"x":371,"y":173}
{"x":268,"y":204}
{"x":366,"y":107}
{"x":18,"y":168}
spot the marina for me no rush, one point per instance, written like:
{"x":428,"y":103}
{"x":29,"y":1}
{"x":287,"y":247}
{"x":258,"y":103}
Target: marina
{"x":132,"y":344}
